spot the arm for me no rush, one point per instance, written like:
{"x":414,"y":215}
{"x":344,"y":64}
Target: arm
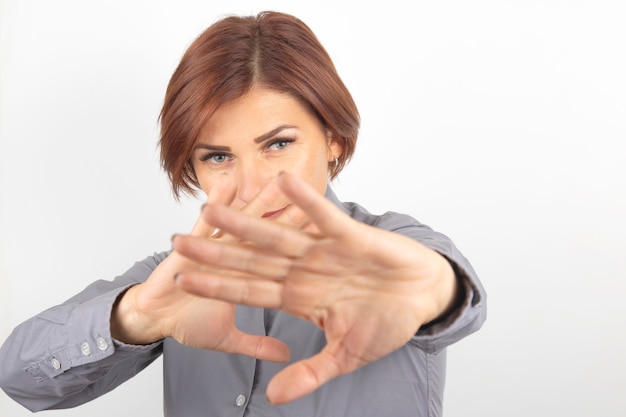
{"x":66,"y":356}
{"x":85,"y":347}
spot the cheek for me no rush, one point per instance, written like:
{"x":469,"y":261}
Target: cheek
{"x":316,"y":172}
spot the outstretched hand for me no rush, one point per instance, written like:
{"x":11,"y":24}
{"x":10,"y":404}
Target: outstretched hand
{"x":157,"y":308}
{"x":368,"y":289}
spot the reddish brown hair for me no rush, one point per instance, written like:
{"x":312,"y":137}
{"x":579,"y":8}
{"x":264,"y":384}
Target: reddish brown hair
{"x":272,"y":50}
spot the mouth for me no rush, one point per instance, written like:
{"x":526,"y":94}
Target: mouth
{"x":274,"y":213}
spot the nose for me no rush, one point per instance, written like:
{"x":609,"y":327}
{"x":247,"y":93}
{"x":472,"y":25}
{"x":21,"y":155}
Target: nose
{"x":251,"y":176}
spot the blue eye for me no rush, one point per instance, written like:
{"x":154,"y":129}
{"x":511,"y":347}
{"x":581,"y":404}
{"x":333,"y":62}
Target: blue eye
{"x":278,"y":144}
{"x":215,"y":158}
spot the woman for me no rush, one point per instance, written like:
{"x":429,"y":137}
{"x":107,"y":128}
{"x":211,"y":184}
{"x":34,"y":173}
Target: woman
{"x":339,"y":312}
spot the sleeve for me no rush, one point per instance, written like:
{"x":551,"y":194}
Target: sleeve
{"x":66,"y":356}
{"x":472,"y":310}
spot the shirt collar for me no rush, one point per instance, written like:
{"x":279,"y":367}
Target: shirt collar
{"x":330,"y":195}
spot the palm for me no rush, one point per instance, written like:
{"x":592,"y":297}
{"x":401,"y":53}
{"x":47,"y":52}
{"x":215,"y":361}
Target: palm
{"x":368,"y":289}
{"x":186,"y":317}
{"x":214,"y":328}
{"x":335,"y":288}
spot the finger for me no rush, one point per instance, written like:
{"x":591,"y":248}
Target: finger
{"x":271,"y":198}
{"x":322,"y":212}
{"x":302,"y":378}
{"x":259,"y":347}
{"x":242,"y":258}
{"x":270,"y":235}
{"x":221,"y":192}
{"x":294,"y":217}
{"x":268,"y":199}
{"x":233,"y":289}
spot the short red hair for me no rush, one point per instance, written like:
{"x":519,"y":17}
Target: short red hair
{"x":273,"y":50}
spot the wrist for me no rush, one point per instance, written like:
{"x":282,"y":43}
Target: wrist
{"x":128,"y":325}
{"x":451,"y":293}
{"x":448,"y":292}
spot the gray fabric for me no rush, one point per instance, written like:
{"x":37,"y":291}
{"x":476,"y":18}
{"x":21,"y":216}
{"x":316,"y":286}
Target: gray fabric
{"x":65,"y":356}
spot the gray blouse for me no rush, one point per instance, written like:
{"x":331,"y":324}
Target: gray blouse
{"x":65,"y":356}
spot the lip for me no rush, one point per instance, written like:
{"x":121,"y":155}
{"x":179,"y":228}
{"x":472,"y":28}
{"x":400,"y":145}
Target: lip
{"x":274,"y":213}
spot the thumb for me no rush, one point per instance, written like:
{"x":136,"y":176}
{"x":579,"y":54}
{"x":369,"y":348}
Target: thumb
{"x":259,"y":347}
{"x":302,"y":378}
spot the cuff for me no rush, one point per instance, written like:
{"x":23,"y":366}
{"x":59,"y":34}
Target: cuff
{"x":465,"y":319}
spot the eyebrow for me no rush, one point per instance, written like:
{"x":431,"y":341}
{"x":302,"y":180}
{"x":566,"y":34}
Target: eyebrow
{"x":212,"y":147}
{"x":272,"y":133}
{"x":258,"y":139}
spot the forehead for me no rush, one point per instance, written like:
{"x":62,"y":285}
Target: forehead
{"x":257,"y":112}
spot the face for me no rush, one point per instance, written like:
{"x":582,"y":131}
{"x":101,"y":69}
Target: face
{"x":253,"y":138}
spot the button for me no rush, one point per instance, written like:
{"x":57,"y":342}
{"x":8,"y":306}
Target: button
{"x":240,"y":400}
{"x":85,"y":348}
{"x":55,"y":363}
{"x":102,"y":344}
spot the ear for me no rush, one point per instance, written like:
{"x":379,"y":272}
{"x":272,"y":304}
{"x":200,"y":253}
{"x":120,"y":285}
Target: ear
{"x":335,"y":146}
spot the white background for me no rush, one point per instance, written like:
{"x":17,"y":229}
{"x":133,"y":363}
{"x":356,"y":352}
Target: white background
{"x":499,"y":123}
